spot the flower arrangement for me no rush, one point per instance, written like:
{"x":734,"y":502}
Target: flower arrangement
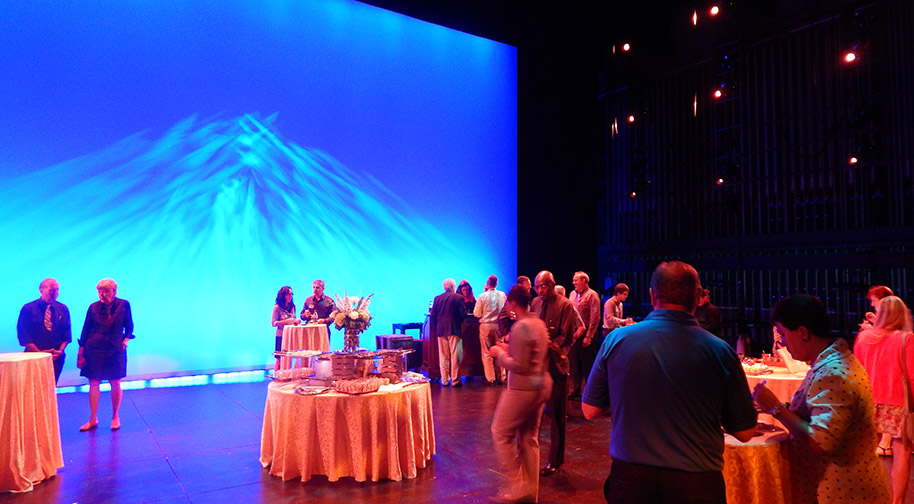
{"x":352,"y":315}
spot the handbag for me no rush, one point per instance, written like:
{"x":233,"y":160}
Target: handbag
{"x":907,"y":433}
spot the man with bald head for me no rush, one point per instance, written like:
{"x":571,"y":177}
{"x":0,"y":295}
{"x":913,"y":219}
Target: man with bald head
{"x":559,"y":315}
{"x":44,"y":325}
{"x":669,"y":386}
{"x":583,"y":351}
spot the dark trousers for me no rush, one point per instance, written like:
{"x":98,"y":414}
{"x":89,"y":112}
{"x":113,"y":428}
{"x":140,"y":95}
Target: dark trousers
{"x":640,"y":484}
{"x":557,"y":406}
{"x":581,"y":359}
{"x":58,"y":366}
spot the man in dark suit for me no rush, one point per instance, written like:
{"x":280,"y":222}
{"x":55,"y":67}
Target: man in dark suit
{"x":44,"y":325}
{"x":448,"y":311}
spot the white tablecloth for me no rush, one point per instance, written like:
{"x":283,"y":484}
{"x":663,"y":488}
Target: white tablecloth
{"x":29,"y":427}
{"x":758,"y":472}
{"x":303,"y":337}
{"x":370,"y":436}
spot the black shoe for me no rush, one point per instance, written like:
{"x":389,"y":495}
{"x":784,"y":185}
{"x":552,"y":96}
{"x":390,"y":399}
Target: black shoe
{"x":548,"y":470}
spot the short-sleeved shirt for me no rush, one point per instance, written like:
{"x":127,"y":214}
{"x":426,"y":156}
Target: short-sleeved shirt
{"x":31,"y":327}
{"x":488,"y":305}
{"x":671,"y":386}
{"x":324,"y":307}
{"x":835,"y":398}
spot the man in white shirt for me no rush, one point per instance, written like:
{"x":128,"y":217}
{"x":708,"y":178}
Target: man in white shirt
{"x":586,"y":303}
{"x":488,"y":306}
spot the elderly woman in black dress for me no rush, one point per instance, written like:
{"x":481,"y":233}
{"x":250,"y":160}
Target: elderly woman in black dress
{"x":103,"y":349}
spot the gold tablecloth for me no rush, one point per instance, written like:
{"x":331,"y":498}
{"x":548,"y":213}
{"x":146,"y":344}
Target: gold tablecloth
{"x":370,"y":436}
{"x":758,"y":472}
{"x":29,"y":427}
{"x":303,"y":337}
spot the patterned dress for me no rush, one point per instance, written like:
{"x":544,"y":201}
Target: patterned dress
{"x":836,"y":399}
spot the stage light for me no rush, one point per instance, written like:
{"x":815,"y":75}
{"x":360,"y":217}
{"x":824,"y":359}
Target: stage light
{"x":718,"y":93}
{"x":852,"y":160}
{"x":720,"y":181}
{"x":715,"y":10}
{"x":850,"y":57}
{"x":626,"y":47}
{"x":694,"y":18}
{"x":695,"y":106}
{"x":631,"y":118}
{"x":633,"y":194}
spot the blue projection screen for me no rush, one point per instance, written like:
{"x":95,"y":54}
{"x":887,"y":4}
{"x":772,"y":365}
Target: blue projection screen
{"x":204,"y":154}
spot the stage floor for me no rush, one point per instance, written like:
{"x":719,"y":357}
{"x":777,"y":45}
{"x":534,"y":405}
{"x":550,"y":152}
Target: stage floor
{"x":201,"y":445}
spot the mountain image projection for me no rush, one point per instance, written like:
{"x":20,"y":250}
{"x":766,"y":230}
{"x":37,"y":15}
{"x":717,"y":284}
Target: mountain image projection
{"x":201,"y":226}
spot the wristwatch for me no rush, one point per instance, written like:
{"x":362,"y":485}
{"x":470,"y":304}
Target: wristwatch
{"x":775,"y":411}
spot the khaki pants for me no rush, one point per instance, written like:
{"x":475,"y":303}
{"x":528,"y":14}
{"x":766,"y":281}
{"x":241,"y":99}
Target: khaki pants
{"x":488,"y":337}
{"x":450,"y":353}
{"x":515,"y":436}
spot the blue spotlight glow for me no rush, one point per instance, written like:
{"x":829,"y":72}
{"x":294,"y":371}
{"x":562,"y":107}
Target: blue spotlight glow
{"x":205,"y":158}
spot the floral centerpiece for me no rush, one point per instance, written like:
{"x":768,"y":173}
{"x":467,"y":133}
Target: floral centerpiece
{"x":352,"y":315}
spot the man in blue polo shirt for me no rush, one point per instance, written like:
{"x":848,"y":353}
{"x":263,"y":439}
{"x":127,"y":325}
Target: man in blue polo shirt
{"x":672,"y":389}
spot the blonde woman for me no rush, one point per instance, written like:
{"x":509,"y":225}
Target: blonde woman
{"x":103,"y":349}
{"x":879,"y":350}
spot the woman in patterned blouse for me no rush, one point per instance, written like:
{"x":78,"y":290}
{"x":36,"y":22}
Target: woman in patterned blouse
{"x":830,"y":418}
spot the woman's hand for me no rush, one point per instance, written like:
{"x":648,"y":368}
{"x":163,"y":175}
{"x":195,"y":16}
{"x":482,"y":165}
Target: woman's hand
{"x":125,"y":343}
{"x":764,"y":397}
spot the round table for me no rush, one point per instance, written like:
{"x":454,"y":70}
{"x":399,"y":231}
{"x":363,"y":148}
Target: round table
{"x":29,"y":426}
{"x":758,"y":471}
{"x":303,"y":337}
{"x":369,"y":436}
